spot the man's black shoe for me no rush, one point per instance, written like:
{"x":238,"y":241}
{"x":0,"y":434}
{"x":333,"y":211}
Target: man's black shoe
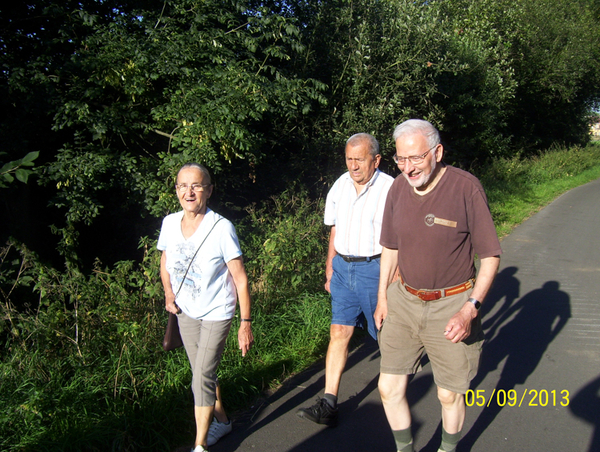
{"x":321,"y":413}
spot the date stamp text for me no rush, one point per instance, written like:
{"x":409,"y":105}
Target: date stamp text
{"x":514,"y":398}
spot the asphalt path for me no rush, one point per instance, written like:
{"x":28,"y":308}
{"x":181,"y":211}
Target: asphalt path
{"x":539,"y":380}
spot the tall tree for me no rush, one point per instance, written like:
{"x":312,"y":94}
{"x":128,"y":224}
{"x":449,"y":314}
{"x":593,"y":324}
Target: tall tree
{"x":131,"y":91}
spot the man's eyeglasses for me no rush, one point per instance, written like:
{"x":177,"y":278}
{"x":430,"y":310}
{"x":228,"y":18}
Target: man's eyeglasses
{"x":414,"y":159}
{"x":183,"y":188}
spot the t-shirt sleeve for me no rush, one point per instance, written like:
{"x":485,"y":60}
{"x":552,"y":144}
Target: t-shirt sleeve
{"x":161,"y":245}
{"x":230,"y":245}
{"x":389,"y":237}
{"x":483,"y":232}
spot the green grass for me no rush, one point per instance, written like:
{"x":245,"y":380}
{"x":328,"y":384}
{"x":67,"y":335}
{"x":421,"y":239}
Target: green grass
{"x":518,"y":188}
{"x":286,"y":342}
{"x":95,"y":377}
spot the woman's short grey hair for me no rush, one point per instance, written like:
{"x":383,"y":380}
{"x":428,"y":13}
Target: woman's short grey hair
{"x":421,"y":126}
{"x":372,"y":143}
{"x":199,"y":167}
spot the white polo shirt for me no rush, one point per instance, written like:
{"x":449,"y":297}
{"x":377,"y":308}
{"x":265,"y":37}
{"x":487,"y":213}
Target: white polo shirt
{"x":357,"y":218}
{"x":208,"y":291}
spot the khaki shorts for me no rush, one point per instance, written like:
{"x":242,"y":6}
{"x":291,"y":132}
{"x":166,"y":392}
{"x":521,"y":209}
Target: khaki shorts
{"x":413,"y":327}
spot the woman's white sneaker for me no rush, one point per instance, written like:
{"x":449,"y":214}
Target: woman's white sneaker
{"x":217,"y":430}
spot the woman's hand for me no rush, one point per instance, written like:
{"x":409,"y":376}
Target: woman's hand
{"x":240,"y":279}
{"x":170,"y":304}
{"x":245,"y":337}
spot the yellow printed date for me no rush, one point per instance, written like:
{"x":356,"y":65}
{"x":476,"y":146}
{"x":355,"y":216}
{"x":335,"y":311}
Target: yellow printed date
{"x":512,"y":397}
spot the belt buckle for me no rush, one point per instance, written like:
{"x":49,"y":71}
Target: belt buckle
{"x":428,"y":295}
{"x":422,"y":294}
{"x":345,"y":258}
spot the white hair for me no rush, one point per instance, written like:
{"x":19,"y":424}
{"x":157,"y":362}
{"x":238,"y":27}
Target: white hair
{"x":358,"y":138}
{"x":421,"y":126}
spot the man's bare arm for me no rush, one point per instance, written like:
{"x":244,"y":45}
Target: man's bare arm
{"x":387,"y":273}
{"x":331,"y":252}
{"x":459,"y":326}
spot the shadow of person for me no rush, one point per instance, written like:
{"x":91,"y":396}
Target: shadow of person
{"x":506,"y":286}
{"x":286,"y":400}
{"x":538,"y":318}
{"x":586,"y":405}
{"x":364,"y":426}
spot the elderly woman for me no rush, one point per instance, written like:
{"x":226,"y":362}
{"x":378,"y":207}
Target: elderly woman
{"x":202,"y":272}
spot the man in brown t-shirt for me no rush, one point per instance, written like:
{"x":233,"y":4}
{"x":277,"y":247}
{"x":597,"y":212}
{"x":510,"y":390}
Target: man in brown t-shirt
{"x":435,"y":220}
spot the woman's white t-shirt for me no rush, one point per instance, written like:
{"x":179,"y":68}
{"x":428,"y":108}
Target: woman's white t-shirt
{"x":208,"y":291}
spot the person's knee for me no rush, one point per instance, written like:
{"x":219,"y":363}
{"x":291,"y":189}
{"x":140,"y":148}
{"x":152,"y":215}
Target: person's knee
{"x":392,"y":387}
{"x":448,"y":398}
{"x":204,"y":387}
{"x":340,"y":333}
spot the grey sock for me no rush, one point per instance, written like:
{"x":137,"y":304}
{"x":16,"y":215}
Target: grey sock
{"x":404,"y":440}
{"x":331,"y":400}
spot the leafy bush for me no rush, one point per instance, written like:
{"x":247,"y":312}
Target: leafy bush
{"x":285,"y":244}
{"x":82,"y":367}
{"x":86,"y":358}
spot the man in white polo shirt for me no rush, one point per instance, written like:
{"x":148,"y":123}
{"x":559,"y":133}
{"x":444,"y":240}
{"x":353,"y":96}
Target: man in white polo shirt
{"x":354,"y":210}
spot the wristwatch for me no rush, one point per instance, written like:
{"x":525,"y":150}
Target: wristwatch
{"x":475,"y":302}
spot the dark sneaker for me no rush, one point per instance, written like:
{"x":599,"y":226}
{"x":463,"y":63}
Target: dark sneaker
{"x":321,"y":413}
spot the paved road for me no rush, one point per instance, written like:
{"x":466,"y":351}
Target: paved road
{"x":542,"y":322}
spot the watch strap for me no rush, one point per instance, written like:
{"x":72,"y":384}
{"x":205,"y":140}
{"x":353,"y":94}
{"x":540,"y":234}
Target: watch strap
{"x":475,"y":302}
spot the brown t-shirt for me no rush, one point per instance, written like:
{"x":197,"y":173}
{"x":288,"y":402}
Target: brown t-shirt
{"x":437,"y":235}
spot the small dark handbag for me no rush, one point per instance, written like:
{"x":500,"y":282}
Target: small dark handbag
{"x":172,"y":339}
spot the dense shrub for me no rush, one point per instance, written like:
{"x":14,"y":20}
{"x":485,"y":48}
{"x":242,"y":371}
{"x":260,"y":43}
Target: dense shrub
{"x":285,"y":242}
{"x":82,"y":365}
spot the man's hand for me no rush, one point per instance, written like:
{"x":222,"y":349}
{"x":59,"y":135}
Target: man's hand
{"x":459,"y":326}
{"x":381,"y":312}
{"x":328,"y":282}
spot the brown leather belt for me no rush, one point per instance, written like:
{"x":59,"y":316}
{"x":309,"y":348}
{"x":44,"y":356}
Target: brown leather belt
{"x":431,"y":295}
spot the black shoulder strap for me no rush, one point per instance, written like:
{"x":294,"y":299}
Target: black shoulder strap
{"x":194,"y":256}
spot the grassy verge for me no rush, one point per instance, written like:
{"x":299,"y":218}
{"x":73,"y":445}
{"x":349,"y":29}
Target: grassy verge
{"x":84,"y":370}
{"x":518,"y":188}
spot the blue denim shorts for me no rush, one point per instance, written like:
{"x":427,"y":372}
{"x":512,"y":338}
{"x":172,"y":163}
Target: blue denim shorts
{"x":354,"y":288}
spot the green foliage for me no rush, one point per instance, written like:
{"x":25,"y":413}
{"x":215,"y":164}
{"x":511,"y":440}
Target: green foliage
{"x":136,"y":89}
{"x":16,"y":167}
{"x":86,"y":358}
{"x":118,"y":94}
{"x":284,"y":242}
{"x":538,"y":72}
{"x":380,"y":61}
{"x":476,"y":101}
{"x":81,"y":363}
{"x":517,"y":187}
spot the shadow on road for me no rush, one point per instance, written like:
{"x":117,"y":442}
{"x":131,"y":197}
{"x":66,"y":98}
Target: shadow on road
{"x":246,"y":425}
{"x":525,"y":329}
{"x":365,"y":428}
{"x":586,"y":405}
